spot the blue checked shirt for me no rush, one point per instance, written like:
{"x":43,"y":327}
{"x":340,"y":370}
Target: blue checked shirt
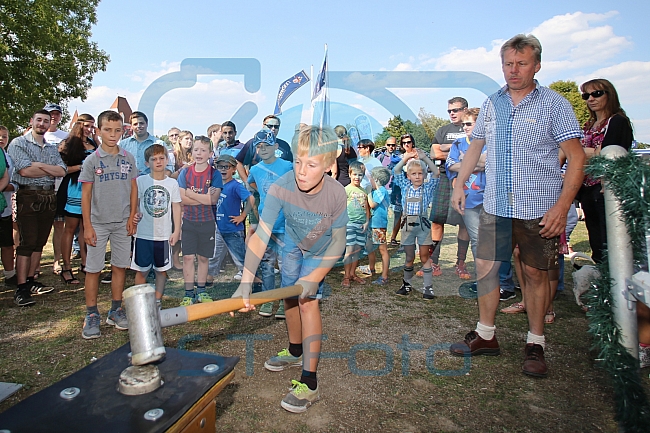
{"x":24,"y":150}
{"x":426,"y":191}
{"x":523,"y":178}
{"x":136,"y":148}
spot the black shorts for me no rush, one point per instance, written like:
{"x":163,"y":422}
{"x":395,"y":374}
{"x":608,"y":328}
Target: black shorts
{"x":198,"y":238}
{"x":148,"y":254}
{"x":497,"y":237}
{"x":6,"y":232}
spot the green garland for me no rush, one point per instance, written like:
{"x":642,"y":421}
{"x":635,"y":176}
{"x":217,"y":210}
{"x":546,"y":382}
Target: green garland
{"x":626,"y":177}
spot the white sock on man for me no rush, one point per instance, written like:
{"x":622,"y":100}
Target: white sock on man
{"x":484,"y":331}
{"x":9,"y":274}
{"x":536,"y":339}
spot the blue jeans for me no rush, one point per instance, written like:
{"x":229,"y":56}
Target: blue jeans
{"x":267,"y":265}
{"x":505,"y":277}
{"x":471,"y":219}
{"x":295,"y":265}
{"x":571,"y":222}
{"x":232,"y":243}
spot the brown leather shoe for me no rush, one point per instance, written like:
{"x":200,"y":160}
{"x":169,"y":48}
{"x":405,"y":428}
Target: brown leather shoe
{"x":534,"y":363}
{"x":474,"y":345}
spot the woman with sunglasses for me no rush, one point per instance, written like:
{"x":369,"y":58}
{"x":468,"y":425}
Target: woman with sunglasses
{"x":607,"y":124}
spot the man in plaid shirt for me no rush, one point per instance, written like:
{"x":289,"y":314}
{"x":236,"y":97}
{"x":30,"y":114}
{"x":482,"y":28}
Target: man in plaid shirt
{"x":524,"y":125}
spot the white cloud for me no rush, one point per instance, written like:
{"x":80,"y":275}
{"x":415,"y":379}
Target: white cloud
{"x":403,"y":67}
{"x":147,"y":77}
{"x":194,"y":108}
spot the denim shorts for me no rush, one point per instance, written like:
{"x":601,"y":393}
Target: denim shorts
{"x":296,"y":264}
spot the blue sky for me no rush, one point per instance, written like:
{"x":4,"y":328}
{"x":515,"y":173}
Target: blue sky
{"x":580,"y":39}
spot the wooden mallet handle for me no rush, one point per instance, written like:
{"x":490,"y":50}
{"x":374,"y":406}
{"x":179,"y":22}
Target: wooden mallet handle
{"x":178,"y":315}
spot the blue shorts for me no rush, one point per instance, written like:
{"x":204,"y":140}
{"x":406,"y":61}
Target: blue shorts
{"x":354,"y":235}
{"x":295,"y":265}
{"x":148,"y":254}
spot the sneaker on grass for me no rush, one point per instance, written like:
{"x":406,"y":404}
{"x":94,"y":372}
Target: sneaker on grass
{"x":22,"y":298}
{"x":38,"y":288}
{"x":203,"y":297}
{"x":91,"y":326}
{"x":107,"y":278}
{"x":299,"y":398}
{"x":187,"y":301}
{"x":117,"y":318}
{"x":405,"y":289}
{"x":505,"y":295}
{"x":284,"y":359}
{"x":266,"y":309}
{"x":427,"y":293}
{"x":238,"y":276}
{"x":280,"y":313}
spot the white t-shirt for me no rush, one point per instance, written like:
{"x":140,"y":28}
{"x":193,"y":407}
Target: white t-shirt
{"x":56,"y":137}
{"x":155,"y":198}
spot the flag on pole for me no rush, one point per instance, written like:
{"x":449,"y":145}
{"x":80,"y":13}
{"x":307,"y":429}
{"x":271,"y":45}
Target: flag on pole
{"x":287,"y":88}
{"x":319,"y":100}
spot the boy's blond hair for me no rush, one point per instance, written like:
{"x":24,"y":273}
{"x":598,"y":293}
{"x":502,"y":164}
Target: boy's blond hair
{"x":414,"y":162}
{"x":313,"y":141}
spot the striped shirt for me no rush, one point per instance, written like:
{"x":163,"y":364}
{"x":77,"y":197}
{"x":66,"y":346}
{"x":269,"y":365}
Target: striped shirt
{"x":426,"y":191}
{"x":24,"y":150}
{"x":523,"y":178}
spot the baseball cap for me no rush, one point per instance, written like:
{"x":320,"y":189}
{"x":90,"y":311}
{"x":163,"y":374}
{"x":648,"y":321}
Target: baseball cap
{"x":264,"y":136}
{"x":228,"y":158}
{"x":53,"y":107}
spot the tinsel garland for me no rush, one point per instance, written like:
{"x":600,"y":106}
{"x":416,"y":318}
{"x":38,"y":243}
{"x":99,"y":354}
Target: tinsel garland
{"x":626,"y":177}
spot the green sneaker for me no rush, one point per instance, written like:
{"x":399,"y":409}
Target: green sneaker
{"x":203,"y":297}
{"x":280,"y":313}
{"x":266,"y":309}
{"x":300,"y":397}
{"x":284,"y":359}
{"x":187,"y":301}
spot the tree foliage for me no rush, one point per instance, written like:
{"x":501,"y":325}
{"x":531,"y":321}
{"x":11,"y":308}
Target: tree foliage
{"x":47,"y":55}
{"x":430,"y":122}
{"x":397,"y":127}
{"x":569,"y":89}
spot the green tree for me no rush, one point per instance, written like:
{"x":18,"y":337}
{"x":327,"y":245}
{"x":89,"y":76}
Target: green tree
{"x":47,"y":55}
{"x":569,"y":89}
{"x":431,"y":122}
{"x":418,"y":131}
{"x":395,"y":128}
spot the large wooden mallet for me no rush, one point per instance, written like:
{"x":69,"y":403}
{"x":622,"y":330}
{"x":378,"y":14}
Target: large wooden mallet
{"x":146,"y":321}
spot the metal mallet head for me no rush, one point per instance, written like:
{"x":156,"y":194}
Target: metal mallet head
{"x":146,"y":321}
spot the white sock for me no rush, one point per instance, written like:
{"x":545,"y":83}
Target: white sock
{"x":536,"y":339}
{"x":484,"y":331}
{"x":9,"y":274}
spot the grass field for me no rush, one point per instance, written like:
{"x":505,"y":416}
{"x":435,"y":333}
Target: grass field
{"x":429,"y":391}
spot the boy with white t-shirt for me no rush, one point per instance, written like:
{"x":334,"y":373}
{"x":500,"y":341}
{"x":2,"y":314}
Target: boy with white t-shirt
{"x":158,"y":199}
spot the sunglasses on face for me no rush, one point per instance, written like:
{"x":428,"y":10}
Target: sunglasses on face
{"x":455,"y":110}
{"x":407,"y":143}
{"x":468,"y":123}
{"x":594,"y":94}
{"x":390,"y":145}
{"x":269,"y":125}
{"x":363,"y":147}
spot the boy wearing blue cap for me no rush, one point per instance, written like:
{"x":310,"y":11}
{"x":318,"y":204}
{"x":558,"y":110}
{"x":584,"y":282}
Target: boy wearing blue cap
{"x":261,"y":177}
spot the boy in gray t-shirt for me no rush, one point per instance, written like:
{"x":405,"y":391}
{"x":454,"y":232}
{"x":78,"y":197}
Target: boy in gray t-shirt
{"x":108,"y":206}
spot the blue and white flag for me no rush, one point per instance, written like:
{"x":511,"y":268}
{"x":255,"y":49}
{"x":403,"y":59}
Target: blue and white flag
{"x":287,"y":88}
{"x":320,"y":100}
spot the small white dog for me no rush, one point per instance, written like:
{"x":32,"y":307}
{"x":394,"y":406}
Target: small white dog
{"x":582,"y":276}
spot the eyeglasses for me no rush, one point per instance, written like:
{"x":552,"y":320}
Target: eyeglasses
{"x":224,"y":167}
{"x":390,"y":145}
{"x":269,"y":125}
{"x":455,"y":110}
{"x":407,"y":143}
{"x":468,"y":123}
{"x":594,"y":94}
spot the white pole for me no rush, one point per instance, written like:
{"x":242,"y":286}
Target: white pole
{"x":621,"y":260}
